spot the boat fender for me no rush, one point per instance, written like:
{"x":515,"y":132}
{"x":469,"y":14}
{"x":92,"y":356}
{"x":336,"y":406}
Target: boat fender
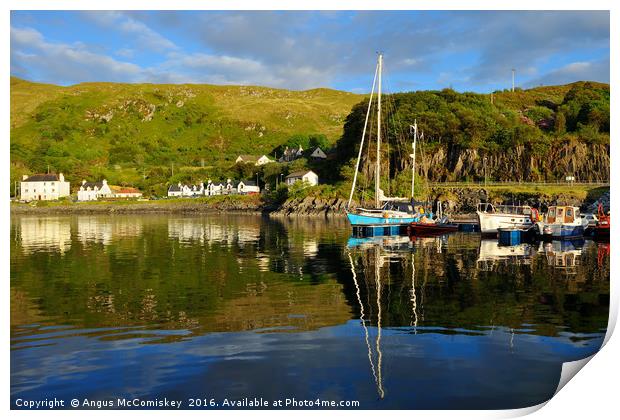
{"x":386,"y":215}
{"x":535,"y":215}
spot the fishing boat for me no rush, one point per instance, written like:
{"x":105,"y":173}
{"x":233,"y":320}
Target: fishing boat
{"x":386,"y":211}
{"x":492,"y":217}
{"x":563,"y":222}
{"x":603,"y":225}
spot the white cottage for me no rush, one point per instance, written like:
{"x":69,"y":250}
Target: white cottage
{"x":214,"y":188}
{"x":44,"y":187}
{"x":306,"y":176}
{"x":91,"y":191}
{"x":256,"y":160}
{"x":247,"y":187}
{"x":175,"y":190}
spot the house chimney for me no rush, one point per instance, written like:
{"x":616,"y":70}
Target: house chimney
{"x":105,"y":182}
{"x":83,"y":181}
{"x":24,"y":177}
{"x":61,"y":177}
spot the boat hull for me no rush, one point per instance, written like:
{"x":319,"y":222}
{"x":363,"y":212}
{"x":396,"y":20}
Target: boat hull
{"x":490,"y":223}
{"x":430,"y":229}
{"x":365,"y":220}
{"x":563,"y":230}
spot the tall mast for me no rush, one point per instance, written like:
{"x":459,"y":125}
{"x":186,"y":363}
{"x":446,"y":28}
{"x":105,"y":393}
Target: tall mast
{"x":378,"y":169}
{"x":359,"y":154}
{"x":415,"y":138}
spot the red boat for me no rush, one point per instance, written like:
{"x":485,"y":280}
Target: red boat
{"x":430,"y":229}
{"x":601,"y":230}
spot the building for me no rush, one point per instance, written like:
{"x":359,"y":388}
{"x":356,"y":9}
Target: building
{"x":256,"y":160}
{"x":91,"y":191}
{"x":290,"y":155}
{"x":44,"y":187}
{"x":230,"y":187}
{"x":306,"y":176}
{"x":175,"y":190}
{"x":318,"y":153}
{"x":125,"y":192}
{"x":214,"y":188}
{"x":183,"y":190}
{"x":247,"y":187}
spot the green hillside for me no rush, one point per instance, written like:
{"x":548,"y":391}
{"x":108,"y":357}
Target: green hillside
{"x":149,"y":136}
{"x":135,"y":133}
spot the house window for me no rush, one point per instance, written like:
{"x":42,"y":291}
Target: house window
{"x":52,"y":185}
{"x":53,"y":190}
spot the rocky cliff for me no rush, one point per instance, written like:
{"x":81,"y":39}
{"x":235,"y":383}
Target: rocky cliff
{"x":584,"y":162}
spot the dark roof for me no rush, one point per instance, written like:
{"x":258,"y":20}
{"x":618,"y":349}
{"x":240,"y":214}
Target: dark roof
{"x":298,"y":173}
{"x":41,"y":177}
{"x":92,"y":185}
{"x":249,"y":183}
{"x":174,"y":187}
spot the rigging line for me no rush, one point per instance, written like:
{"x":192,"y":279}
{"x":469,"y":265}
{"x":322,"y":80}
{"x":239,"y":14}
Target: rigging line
{"x":359,"y":156}
{"x":367,"y":160}
{"x":359,"y":300}
{"x":399,"y":130}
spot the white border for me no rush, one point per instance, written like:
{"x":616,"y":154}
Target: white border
{"x":592,"y":395}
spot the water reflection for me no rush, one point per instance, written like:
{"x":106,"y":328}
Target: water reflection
{"x":49,"y":234}
{"x":297,"y":301}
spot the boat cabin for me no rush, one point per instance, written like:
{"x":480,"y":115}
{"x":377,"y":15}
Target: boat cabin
{"x":504,"y":209}
{"x":562,"y":214}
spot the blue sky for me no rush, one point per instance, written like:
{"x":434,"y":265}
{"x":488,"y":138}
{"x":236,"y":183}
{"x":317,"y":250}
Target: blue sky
{"x":465,"y":50}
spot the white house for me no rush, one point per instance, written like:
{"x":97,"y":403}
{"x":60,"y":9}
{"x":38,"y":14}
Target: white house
{"x":303,"y":176}
{"x":247,"y":187}
{"x":256,"y":160}
{"x":214,"y":188}
{"x":292,"y":154}
{"x":91,"y":191}
{"x":318,"y":153}
{"x":175,"y":190}
{"x":44,"y":187}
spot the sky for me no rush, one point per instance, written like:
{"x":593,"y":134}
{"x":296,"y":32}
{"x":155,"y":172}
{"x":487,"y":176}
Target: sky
{"x":464,"y":50}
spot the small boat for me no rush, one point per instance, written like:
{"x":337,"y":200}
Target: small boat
{"x":433,"y":228}
{"x":563,"y":222}
{"x":491,"y":218}
{"x":603,"y":225}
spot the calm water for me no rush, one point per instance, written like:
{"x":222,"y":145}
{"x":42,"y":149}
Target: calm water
{"x":232,"y":307}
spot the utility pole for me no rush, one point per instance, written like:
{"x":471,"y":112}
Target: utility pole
{"x":172,"y":168}
{"x":513,"y":80}
{"x":485,"y":171}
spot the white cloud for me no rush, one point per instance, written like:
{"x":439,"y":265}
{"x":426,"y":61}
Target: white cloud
{"x":141,"y":33}
{"x":66,"y":63}
{"x":596,"y":70}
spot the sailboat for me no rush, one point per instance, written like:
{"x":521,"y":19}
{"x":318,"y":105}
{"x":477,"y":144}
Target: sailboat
{"x":387,"y":211}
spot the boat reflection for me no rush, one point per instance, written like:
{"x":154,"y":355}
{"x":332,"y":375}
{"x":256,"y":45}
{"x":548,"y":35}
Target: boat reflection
{"x":491,"y":254}
{"x":564,"y":255}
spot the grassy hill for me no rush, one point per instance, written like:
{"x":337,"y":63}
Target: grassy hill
{"x":149,"y":135}
{"x":132,"y":132}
